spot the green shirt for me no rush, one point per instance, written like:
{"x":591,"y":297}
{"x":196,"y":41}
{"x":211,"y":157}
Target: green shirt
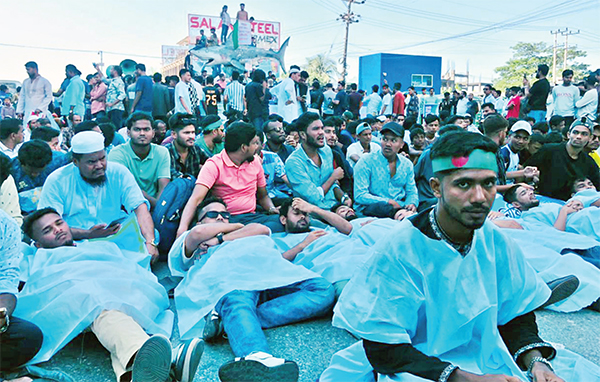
{"x":146,"y":172}
{"x":202,"y":144}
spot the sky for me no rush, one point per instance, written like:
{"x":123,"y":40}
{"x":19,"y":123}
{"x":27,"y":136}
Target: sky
{"x":465,"y":33}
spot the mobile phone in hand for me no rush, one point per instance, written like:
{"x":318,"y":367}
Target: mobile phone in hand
{"x":117,"y":221}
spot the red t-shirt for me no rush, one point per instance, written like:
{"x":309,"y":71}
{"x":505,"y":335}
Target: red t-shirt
{"x":514,"y":112}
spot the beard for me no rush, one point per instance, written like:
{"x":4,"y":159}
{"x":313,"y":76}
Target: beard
{"x":312,"y":142}
{"x":351,"y":217}
{"x":297,"y":228}
{"x":95,"y":182}
{"x":459,"y":214}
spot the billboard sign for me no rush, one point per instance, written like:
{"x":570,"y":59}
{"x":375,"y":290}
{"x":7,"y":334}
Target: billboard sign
{"x":265,"y":34}
{"x":172,"y":53}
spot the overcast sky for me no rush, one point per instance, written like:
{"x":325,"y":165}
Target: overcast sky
{"x":464,"y":33}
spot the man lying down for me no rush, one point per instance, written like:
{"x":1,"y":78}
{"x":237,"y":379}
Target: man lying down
{"x":97,"y":284}
{"x":446,"y":296}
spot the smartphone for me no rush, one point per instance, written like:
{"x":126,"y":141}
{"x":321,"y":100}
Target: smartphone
{"x":117,"y":221}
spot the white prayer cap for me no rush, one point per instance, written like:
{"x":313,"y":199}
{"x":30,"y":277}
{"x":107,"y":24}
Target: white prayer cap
{"x":87,"y":142}
{"x":521,"y":126}
{"x":294,"y":70}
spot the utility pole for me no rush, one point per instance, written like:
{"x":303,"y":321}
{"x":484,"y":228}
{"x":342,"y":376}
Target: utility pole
{"x":555,"y":33}
{"x":567,"y":33}
{"x":349,"y":18}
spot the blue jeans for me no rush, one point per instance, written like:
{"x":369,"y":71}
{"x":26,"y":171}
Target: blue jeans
{"x":116,"y":117}
{"x":271,"y":221}
{"x":539,"y":115}
{"x":224,"y":30}
{"x":591,"y":255}
{"x":258,"y":123}
{"x":245,"y":313}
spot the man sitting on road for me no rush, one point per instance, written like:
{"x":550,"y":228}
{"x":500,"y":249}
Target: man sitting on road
{"x":384,"y":181}
{"x":149,"y":163}
{"x":236,"y":176}
{"x":93,"y":196}
{"x":187,"y":158}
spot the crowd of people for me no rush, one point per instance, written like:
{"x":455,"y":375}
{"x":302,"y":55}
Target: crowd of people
{"x":275,"y":202}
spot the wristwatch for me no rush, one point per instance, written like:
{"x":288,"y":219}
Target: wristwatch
{"x":344,"y":198}
{"x":4,"y":327}
{"x":220,"y":237}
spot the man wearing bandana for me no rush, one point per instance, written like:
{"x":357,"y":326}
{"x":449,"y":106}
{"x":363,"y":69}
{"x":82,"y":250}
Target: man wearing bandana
{"x":447,"y":296}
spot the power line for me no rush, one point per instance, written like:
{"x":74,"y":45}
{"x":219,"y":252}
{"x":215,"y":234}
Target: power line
{"x":76,"y":50}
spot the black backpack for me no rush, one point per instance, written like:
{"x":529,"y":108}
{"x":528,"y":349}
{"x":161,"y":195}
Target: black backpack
{"x":168,"y":210}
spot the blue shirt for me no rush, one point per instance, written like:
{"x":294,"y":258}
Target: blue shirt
{"x":144,"y":84}
{"x":307,"y":178}
{"x":83,"y":205}
{"x":25,"y":184}
{"x":373,"y":182}
{"x":274,"y":172}
{"x":10,"y":254}
{"x":74,"y":96}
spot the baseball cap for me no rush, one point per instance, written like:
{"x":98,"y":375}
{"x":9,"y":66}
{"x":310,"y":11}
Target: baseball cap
{"x":394,"y":128}
{"x":521,"y":125}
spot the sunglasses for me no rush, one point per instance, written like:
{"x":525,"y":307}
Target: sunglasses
{"x":215,"y":214}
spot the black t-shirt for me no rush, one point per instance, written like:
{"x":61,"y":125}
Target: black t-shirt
{"x":558,"y":170}
{"x":212,"y":97}
{"x":354,"y":102}
{"x":256,"y":107}
{"x":538,"y":94}
{"x":341,"y":107}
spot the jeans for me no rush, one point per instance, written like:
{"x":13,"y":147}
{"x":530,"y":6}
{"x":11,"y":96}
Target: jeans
{"x":116,"y":117}
{"x":271,"y":221}
{"x":591,"y":255}
{"x":19,"y":344}
{"x":224,"y":30}
{"x":380,"y":210}
{"x":258,"y":123}
{"x":538,"y":115}
{"x":245,"y":313}
{"x":99,"y":114}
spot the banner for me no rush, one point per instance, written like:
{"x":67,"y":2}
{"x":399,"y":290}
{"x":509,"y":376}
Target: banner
{"x":265,"y":34}
{"x":172,"y":53}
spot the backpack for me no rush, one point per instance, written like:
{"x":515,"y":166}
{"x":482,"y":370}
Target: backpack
{"x":168,"y":210}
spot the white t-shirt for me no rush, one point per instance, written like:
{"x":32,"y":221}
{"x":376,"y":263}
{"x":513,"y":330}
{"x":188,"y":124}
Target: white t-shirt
{"x":356,"y":148}
{"x":565,"y":98}
{"x":387,"y":103}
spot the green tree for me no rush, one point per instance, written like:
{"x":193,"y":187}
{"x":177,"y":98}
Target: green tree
{"x":323,"y":68}
{"x":527,"y":56}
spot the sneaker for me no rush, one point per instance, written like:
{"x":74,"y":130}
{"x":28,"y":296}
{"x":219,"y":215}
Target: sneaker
{"x":213,"y":326}
{"x":152,"y":362}
{"x":259,"y":367}
{"x":561,"y":289}
{"x":188,"y":358}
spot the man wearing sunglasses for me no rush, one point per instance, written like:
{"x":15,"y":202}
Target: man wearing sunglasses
{"x":235,"y":280}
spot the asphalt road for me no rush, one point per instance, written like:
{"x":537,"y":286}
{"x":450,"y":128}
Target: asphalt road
{"x":311,"y":344}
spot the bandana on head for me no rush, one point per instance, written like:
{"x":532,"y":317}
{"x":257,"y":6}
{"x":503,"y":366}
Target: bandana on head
{"x":213,"y":126}
{"x":478,"y":159}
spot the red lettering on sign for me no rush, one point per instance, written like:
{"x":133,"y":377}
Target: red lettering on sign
{"x":268,"y":28}
{"x":204,"y":23}
{"x":260,"y":28}
{"x":194,"y":22}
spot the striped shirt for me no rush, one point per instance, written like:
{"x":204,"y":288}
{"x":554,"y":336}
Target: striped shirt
{"x":235,"y":92}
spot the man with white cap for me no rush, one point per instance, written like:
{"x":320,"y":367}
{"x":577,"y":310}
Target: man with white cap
{"x":91,"y":194}
{"x":287,"y":100}
{"x":518,"y":140}
{"x":363,"y":146}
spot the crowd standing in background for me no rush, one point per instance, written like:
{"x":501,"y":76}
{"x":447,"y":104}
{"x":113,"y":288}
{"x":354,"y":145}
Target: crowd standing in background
{"x":265,"y":196}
